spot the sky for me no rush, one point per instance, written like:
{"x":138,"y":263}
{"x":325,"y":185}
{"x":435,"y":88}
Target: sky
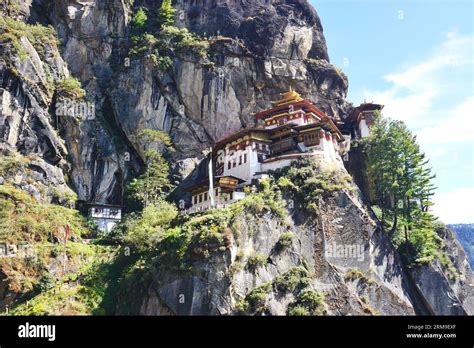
{"x":416,"y":57}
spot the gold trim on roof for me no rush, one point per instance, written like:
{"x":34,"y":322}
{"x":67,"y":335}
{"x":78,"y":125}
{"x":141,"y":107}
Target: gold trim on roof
{"x":288,"y":97}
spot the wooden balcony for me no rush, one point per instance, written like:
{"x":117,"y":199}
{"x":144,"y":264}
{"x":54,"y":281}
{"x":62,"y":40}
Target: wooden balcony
{"x":283,"y":146}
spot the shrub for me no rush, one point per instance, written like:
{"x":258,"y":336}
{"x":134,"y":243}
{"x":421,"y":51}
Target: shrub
{"x":254,"y":203}
{"x":45,"y":282}
{"x":448,"y":264}
{"x":160,"y":46}
{"x":39,"y":36}
{"x":354,"y":274}
{"x":309,"y":180}
{"x":308,"y":302}
{"x":22,"y":218}
{"x":298,"y":311}
{"x":70,"y":88}
{"x":296,"y":278}
{"x":166,"y":13}
{"x":286,"y":240}
{"x":267,"y":200}
{"x":11,"y":164}
{"x":255,"y":301}
{"x":257,"y":259}
{"x":173,"y":249}
{"x":236,"y":267}
{"x":139,"y":20}
{"x":207,"y":231}
{"x":145,"y":231}
{"x":369,"y":310}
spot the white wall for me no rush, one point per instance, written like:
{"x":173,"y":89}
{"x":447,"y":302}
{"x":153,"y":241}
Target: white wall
{"x":243,"y":171}
{"x":297,"y":121}
{"x":105,"y":225}
{"x":276,"y":164}
{"x":364,"y":129}
{"x":220,"y":202}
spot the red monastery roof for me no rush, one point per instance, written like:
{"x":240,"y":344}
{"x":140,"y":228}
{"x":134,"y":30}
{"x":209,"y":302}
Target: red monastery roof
{"x":292,"y":98}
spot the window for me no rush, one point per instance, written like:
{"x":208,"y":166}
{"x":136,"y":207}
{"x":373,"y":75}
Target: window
{"x":240,"y":160}
{"x":234,"y":163}
{"x":217,"y":192}
{"x":283,"y":145}
{"x":311,"y":139}
{"x":231,"y":196}
{"x":245,"y":158}
{"x":200,"y":198}
{"x":229,"y":164}
{"x":205,"y":196}
{"x":194,"y":199}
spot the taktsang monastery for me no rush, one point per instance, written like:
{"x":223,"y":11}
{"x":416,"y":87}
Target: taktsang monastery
{"x":292,"y":129}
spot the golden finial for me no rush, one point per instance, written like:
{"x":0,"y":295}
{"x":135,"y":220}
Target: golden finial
{"x":288,"y":97}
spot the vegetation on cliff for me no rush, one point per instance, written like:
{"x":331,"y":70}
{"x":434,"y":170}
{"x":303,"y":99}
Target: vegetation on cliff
{"x":153,"y":186}
{"x":154,"y":35}
{"x":39,"y":262}
{"x":40,"y":36}
{"x":175,"y":242}
{"x":403,"y":185}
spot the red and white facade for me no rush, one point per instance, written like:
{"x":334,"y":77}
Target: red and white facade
{"x":292,"y":129}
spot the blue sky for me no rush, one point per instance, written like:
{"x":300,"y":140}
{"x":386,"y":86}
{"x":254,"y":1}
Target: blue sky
{"x":417,"y":58}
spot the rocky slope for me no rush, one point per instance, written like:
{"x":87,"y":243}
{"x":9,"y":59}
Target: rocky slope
{"x":446,"y":290}
{"x":337,"y":250}
{"x":464,"y":233}
{"x":257,"y":50}
{"x":345,"y":253}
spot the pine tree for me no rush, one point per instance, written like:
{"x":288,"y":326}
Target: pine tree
{"x":153,"y":186}
{"x":166,"y":13}
{"x":139,"y":21}
{"x":403,"y":182}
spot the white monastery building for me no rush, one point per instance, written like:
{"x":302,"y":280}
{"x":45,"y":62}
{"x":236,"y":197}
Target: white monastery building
{"x":293,"y":128}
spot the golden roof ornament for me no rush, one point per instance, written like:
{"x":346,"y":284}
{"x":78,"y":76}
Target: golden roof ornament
{"x":288,"y":98}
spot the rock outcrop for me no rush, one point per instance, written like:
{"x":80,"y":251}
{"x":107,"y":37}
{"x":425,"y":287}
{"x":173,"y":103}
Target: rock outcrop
{"x":349,"y":259}
{"x":446,"y":290}
{"x":264,"y":49}
{"x":257,"y":49}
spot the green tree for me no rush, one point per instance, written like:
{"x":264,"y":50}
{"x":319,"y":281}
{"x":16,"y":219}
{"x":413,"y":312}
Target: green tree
{"x":153,"y":185}
{"x":145,"y":231}
{"x":166,"y":13}
{"x":403,"y":184}
{"x":139,"y":21}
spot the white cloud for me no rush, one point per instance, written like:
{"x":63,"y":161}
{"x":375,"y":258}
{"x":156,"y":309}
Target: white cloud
{"x":454,"y":52}
{"x":415,"y":89}
{"x":456,"y":126}
{"x":455,"y":206}
{"x":404,"y":107}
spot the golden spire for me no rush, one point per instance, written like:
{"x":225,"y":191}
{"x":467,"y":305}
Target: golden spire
{"x":288,"y":97}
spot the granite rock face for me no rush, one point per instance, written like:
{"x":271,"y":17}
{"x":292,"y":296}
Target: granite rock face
{"x":269,"y":47}
{"x":366,"y":279}
{"x":259,"y":49}
{"x":350,"y":260}
{"x":26,"y":125}
{"x":447,"y":292}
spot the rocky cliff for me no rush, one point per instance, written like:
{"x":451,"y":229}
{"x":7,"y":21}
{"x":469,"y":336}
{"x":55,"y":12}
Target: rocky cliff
{"x":258,"y":50}
{"x":338,"y":251}
{"x":329,"y":245}
{"x":255,"y":50}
